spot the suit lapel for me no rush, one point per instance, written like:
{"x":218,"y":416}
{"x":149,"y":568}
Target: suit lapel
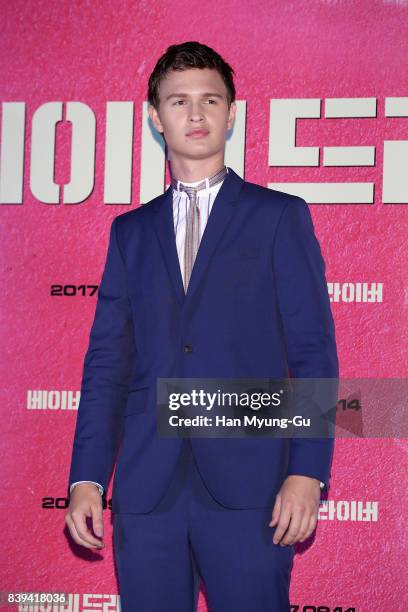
{"x":164,"y":227}
{"x":221,"y":214}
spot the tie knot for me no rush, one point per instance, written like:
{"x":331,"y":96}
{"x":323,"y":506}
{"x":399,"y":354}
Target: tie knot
{"x":190,"y":191}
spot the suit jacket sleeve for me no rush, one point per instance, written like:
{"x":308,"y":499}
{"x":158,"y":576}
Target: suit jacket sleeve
{"x":307,"y":323}
{"x":106,"y":374}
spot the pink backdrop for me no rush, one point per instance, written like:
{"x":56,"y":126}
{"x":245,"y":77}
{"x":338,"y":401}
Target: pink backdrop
{"x":100,"y":52}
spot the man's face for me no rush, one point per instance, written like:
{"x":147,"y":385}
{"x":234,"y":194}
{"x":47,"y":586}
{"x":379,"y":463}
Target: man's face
{"x":193,"y":99}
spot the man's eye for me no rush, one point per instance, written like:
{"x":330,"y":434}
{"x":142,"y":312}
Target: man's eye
{"x":211,"y":100}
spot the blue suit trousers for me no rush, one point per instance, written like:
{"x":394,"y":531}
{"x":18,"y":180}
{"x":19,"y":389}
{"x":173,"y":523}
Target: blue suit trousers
{"x":161,"y":556}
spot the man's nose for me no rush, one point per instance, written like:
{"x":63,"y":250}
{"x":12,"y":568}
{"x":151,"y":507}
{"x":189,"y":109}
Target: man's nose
{"x":196,"y":112}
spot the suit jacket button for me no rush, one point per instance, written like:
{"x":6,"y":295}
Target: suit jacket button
{"x":188,"y":348}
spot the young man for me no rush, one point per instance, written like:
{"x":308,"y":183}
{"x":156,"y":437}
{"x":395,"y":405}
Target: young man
{"x":216,"y":278}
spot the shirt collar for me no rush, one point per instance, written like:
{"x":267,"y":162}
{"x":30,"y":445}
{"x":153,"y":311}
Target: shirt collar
{"x":195,"y":183}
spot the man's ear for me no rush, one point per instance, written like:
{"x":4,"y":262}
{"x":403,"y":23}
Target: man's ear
{"x":154,"y":116}
{"x":231,"y":116}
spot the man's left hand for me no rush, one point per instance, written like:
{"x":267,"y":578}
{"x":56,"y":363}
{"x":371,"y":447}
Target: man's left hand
{"x":296,"y":509}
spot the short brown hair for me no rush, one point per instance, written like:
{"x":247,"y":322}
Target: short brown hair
{"x":191,"y":54}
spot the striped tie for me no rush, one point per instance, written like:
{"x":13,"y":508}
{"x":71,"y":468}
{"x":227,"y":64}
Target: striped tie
{"x":192,"y":240}
{"x":192,"y":234}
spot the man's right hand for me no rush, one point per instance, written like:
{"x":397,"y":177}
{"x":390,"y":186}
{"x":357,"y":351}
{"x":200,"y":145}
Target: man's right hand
{"x":85,"y":501}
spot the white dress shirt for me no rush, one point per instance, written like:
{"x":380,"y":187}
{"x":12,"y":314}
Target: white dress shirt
{"x":181,"y":204}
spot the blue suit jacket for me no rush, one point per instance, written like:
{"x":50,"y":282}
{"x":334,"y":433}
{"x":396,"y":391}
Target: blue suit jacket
{"x":257,"y":306}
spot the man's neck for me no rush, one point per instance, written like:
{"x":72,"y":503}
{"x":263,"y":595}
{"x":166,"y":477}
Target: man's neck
{"x":202,"y":185}
{"x":190,"y":175}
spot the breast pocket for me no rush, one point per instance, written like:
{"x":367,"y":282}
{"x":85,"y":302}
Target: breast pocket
{"x":137,"y":401}
{"x":236,"y":270}
{"x":239,"y":254}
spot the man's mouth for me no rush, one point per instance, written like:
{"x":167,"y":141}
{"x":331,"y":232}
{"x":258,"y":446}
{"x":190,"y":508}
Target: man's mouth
{"x":197,"y":133}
